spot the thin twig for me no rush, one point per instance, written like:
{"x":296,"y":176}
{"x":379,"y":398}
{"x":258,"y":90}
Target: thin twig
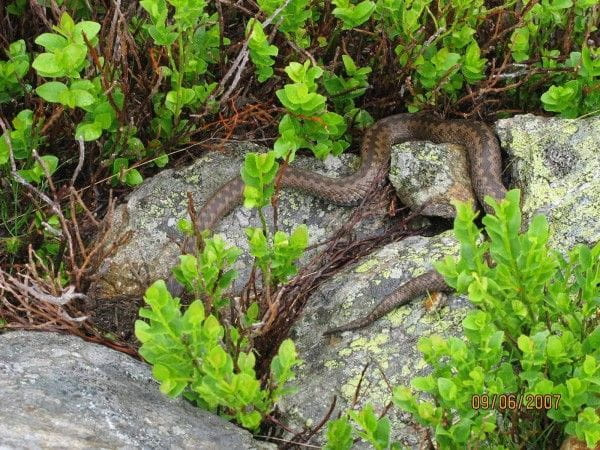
{"x":79,"y":162}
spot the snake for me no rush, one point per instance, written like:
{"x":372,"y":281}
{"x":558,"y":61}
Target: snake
{"x":485,"y":170}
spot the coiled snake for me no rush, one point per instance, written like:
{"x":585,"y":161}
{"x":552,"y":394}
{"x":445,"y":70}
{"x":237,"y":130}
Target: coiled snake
{"x":485,"y":170}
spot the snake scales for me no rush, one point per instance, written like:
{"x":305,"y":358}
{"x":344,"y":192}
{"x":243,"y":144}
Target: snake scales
{"x":485,"y":170}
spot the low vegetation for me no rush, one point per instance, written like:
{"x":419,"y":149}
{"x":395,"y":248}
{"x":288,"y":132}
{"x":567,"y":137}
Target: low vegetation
{"x":97,"y":96}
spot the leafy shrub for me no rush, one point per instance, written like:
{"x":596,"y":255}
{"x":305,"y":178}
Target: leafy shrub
{"x":202,"y":355}
{"x":278,"y":257}
{"x":13,"y":71}
{"x":344,"y":90}
{"x":65,"y":57}
{"x":194,"y":354}
{"x":190,"y":44}
{"x":23,"y":139}
{"x":307,"y":124}
{"x":577,"y":96}
{"x":527,"y":370}
{"x":261,"y":52}
{"x":534,"y":335}
{"x":353,"y":15}
{"x":293,"y":18}
{"x":374,"y":430}
{"x":274,"y":255}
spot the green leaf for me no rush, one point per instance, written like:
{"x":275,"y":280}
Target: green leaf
{"x":71,"y":57}
{"x":89,"y":28}
{"x":51,"y":91}
{"x":51,"y":41}
{"x":46,"y":65}
{"x":520,"y":44}
{"x":563,"y":99}
{"x":133,"y":177}
{"x":51,"y":163}
{"x":448,"y":390}
{"x":175,"y":100}
{"x":162,"y":35}
{"x":75,"y":98}
{"x":88,"y":131}
{"x":66,"y":24}
{"x":162,"y":160}
{"x":194,"y":314}
{"x":339,"y":435}
{"x":554,"y":348}
{"x":589,"y":365}
{"x":299,"y":237}
{"x":252,"y":312}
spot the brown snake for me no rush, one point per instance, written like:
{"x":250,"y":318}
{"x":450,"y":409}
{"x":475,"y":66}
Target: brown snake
{"x":485,"y":167}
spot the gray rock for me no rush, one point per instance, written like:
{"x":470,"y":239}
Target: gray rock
{"x":152,"y":211}
{"x":62,"y":392}
{"x":555,"y":163}
{"x":427,"y":177}
{"x":333,"y":365}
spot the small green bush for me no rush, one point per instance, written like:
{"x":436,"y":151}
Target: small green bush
{"x":527,"y":371}
{"x":13,"y":71}
{"x":190,"y":38}
{"x":201,"y":355}
{"x":199,"y":352}
{"x":367,"y":426}
{"x":261,"y":53}
{"x":307,"y":123}
{"x":534,"y":335}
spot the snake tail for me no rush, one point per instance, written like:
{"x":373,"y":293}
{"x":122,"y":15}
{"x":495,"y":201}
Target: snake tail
{"x":428,"y":282}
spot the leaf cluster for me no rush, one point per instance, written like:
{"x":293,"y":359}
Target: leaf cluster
{"x":343,"y":90}
{"x":292,"y":18}
{"x":258,"y":173}
{"x":193,"y":354}
{"x":190,"y":37}
{"x":208,"y":276}
{"x":13,"y":71}
{"x":534,"y":333}
{"x":307,"y":123}
{"x":364,"y":424}
{"x":261,"y":52}
{"x":279,"y":256}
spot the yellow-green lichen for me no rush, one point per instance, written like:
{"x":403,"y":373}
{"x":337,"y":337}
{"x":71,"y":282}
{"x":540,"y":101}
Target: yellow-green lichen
{"x":377,"y":394}
{"x":570,"y":199}
{"x":331,"y":364}
{"x":192,"y":178}
{"x":420,"y":365}
{"x":367,"y":266}
{"x":372,"y":345}
{"x":399,"y":315}
{"x":345,"y":352}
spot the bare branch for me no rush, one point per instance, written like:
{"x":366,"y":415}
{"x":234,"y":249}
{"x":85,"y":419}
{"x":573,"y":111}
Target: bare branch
{"x":79,"y":163}
{"x":32,"y":289}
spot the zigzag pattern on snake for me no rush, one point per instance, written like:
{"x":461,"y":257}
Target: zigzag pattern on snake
{"x":485,"y":170}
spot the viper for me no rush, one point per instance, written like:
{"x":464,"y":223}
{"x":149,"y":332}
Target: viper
{"x":485,"y":165}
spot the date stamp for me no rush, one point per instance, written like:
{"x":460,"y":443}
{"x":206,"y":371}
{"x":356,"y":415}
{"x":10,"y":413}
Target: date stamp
{"x":503,"y":402}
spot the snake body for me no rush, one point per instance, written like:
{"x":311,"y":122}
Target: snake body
{"x":485,"y":170}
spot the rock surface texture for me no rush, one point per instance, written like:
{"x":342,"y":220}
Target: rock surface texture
{"x":556,"y":165}
{"x":428,"y":176}
{"x":152,"y":211}
{"x":61,"y":392}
